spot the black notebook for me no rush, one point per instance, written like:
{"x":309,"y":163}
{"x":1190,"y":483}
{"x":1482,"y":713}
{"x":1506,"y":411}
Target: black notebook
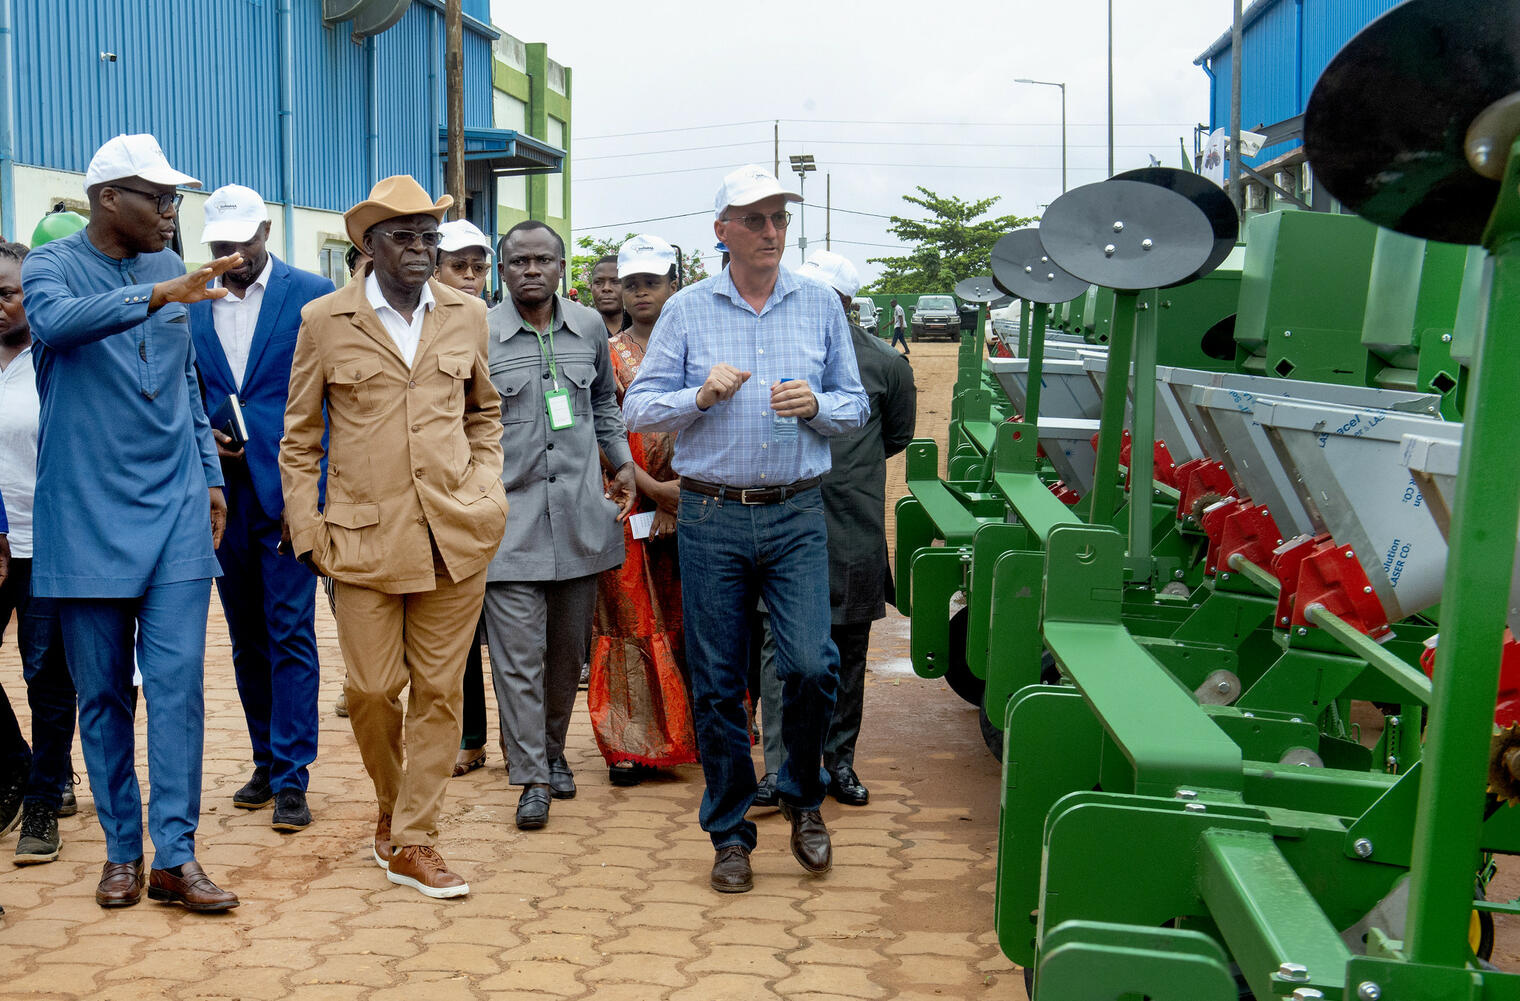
{"x":228,"y":419}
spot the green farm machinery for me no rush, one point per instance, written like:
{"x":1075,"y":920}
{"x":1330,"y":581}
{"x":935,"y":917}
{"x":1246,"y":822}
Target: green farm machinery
{"x":1226,"y":554}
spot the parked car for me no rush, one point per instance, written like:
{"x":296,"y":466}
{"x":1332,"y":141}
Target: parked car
{"x":866,"y":314}
{"x":936,"y":314}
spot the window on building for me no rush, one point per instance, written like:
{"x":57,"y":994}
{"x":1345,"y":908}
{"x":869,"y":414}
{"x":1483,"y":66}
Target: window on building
{"x":508,"y":112}
{"x":556,"y":193}
{"x":331,"y":264}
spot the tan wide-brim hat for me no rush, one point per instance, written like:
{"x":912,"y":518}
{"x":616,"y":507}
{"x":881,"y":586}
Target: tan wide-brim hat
{"x":392,"y":197}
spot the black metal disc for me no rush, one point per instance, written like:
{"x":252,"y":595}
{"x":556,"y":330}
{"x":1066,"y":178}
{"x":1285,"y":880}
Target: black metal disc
{"x":1210,"y":199}
{"x":1021,"y":268}
{"x":1385,"y":125}
{"x":979,"y":288}
{"x":1127,"y":235}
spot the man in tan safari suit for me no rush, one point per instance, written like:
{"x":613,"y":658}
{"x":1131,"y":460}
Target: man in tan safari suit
{"x":414,"y":506}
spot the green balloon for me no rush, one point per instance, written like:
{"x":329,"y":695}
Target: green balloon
{"x":56,"y":225}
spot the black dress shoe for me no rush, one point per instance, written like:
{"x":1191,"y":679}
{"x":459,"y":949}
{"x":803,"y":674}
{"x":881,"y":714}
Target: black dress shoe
{"x":561,"y":779}
{"x":290,"y":811}
{"x":731,"y":872}
{"x":810,"y":839}
{"x":256,"y":793}
{"x":533,"y":807}
{"x":765,"y":793}
{"x":844,"y":785}
{"x":625,"y":774}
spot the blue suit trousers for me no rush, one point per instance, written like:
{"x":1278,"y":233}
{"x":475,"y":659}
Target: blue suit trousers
{"x":169,"y":624}
{"x":270,"y":602}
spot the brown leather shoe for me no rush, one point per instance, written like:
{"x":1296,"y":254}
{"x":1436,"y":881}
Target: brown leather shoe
{"x":121,"y":884}
{"x":424,"y":870}
{"x":192,"y":889}
{"x":383,"y":849}
{"x":810,"y":839}
{"x":731,"y":872}
{"x":469,"y":759}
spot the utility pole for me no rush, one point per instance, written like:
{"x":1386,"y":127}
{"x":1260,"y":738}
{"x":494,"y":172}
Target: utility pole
{"x":1110,"y":86}
{"x":453,"y":71}
{"x":1237,"y":187}
{"x":776,"y":156}
{"x":828,"y":211}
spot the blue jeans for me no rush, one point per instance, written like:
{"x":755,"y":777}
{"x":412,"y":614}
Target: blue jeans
{"x":169,"y":623}
{"x":730,"y":555}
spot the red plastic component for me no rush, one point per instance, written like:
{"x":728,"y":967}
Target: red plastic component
{"x":1066,"y":495}
{"x":1198,"y":478}
{"x":1507,"y":707}
{"x":1215,"y":518}
{"x":1285,"y":563}
{"x":1332,"y":577}
{"x":1249,"y":530}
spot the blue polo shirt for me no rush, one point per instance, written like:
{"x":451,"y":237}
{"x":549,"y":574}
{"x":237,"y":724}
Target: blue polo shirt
{"x":124,"y":450}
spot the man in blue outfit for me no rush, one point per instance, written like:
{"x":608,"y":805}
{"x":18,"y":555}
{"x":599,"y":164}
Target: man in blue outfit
{"x":127,"y":539}
{"x":755,"y":369}
{"x":243,"y":346}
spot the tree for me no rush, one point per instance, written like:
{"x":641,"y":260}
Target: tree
{"x":948,"y":245}
{"x":692,"y":269}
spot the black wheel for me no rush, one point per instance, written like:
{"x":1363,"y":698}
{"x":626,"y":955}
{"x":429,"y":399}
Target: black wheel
{"x":958,"y":673}
{"x":991,"y":735}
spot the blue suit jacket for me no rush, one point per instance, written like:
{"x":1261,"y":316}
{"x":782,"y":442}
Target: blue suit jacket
{"x":266,"y":382}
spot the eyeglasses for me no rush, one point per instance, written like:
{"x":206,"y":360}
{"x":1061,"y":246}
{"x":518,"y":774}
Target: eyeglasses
{"x":406,"y":237}
{"x":161,"y":202}
{"x":755,"y":221}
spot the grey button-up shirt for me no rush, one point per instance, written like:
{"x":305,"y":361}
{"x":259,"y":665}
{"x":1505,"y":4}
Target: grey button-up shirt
{"x":560,"y":525}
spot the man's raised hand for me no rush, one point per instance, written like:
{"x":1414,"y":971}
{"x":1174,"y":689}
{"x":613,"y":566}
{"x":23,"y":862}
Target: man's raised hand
{"x":722,"y":383}
{"x":192,"y":287}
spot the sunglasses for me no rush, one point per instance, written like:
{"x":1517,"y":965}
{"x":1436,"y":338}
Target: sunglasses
{"x":407,"y":237}
{"x":162,"y":202}
{"x":755,"y":221}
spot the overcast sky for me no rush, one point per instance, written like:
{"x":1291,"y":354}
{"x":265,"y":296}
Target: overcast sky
{"x":886,"y":95}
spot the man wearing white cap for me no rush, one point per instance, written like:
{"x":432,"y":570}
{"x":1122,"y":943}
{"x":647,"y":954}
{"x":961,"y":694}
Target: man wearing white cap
{"x":127,"y":542}
{"x":854,"y":506}
{"x":243,"y":346}
{"x":754,"y":368}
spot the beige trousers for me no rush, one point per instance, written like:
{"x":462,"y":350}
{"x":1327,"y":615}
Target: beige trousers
{"x":389,"y":642}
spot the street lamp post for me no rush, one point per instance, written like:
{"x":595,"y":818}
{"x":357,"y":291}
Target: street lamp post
{"x":1047,"y":83}
{"x":802,"y":163}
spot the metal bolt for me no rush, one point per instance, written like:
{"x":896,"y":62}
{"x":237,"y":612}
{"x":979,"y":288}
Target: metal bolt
{"x":1350,"y":555}
{"x":1296,"y":973}
{"x":1445,"y":338}
{"x":1391,"y":721}
{"x":1224,"y":576}
{"x":1302,"y":631}
{"x":1186,"y":794}
{"x":1108,"y":251}
{"x":1249,"y":715}
{"x":1307,"y":994}
{"x":1178,"y":574}
{"x":1195,"y":808}
{"x":1223,"y":687}
{"x":1146,"y":244}
{"x":1118,"y":227}
{"x":1391,"y":762}
{"x":1362,"y":847}
{"x":1367,"y":589}
{"x":1368,"y":991}
{"x":1287,"y":333}
{"x":1296,"y":719}
{"x":1284,"y":620}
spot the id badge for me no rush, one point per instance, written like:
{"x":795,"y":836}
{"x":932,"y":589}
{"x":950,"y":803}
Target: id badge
{"x":561,"y":416}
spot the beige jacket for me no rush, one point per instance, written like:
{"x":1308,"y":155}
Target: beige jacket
{"x":409,"y":451}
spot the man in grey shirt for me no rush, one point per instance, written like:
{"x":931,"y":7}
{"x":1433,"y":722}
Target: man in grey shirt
{"x":550,"y":363}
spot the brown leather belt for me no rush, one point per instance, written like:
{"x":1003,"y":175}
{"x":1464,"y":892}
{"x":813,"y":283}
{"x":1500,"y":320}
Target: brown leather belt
{"x":749,"y":495}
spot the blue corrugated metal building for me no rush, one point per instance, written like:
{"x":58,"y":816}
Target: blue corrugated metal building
{"x":1285,"y":45}
{"x":205,"y":77}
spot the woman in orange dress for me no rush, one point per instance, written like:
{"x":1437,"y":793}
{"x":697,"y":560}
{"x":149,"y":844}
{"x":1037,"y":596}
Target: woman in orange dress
{"x":639,"y":695}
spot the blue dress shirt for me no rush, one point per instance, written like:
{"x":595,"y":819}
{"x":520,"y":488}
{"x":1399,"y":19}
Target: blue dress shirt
{"x":802,"y":333}
{"x":124,"y":452}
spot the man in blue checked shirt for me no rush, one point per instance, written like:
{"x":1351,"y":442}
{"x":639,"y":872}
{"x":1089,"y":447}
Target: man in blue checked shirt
{"x":754,"y":367}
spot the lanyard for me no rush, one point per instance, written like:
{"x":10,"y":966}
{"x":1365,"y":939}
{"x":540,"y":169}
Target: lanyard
{"x":549,"y":357}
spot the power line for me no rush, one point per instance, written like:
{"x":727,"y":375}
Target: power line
{"x":681,"y":149}
{"x":861,"y":121}
{"x":856,"y":142}
{"x":847,"y":163}
{"x":635,"y":222}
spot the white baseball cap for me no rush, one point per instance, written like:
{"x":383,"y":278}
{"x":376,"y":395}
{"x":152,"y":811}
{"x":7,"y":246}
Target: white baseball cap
{"x":134,"y":156}
{"x":457,"y":234}
{"x":748,"y":185}
{"x":832,"y":270}
{"x":233,"y":214}
{"x":645,"y":255}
